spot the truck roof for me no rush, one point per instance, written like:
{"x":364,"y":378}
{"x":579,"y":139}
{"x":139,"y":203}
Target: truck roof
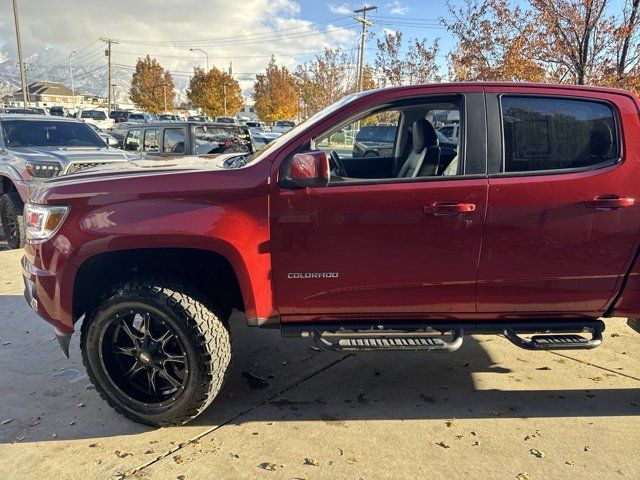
{"x":27,"y":116}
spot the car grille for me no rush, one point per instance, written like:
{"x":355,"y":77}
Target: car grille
{"x":76,"y":167}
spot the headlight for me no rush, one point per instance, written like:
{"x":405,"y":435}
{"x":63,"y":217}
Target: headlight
{"x":41,"y":222}
{"x":44,"y":169}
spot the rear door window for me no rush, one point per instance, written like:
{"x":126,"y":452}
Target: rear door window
{"x":542,"y":134}
{"x":174,"y":140}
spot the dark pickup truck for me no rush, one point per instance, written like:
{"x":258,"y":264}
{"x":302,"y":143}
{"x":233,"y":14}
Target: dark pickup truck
{"x":531,"y":231}
{"x":170,"y":139}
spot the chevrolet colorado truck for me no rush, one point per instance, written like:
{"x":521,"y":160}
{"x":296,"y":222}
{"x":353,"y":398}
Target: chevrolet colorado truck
{"x":530,"y":231}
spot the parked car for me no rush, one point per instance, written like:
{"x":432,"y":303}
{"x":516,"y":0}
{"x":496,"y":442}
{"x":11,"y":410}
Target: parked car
{"x":109,"y":139}
{"x":257,"y":127}
{"x":59,"y":111}
{"x":119,"y":131}
{"x":22,"y":111}
{"x":119,"y":116}
{"x":374,"y":141}
{"x":169,"y":117}
{"x":226,"y":119}
{"x":141,"y":117}
{"x":451,"y":131}
{"x":283,"y":126}
{"x":535,"y":232}
{"x":160,"y":140}
{"x":261,"y":139}
{"x":35,"y":148}
{"x":97,"y":117}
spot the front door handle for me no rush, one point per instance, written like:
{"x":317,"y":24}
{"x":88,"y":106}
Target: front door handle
{"x":610,"y":202}
{"x":442,"y":209}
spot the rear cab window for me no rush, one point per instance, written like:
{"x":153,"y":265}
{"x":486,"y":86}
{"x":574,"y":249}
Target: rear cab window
{"x":547,"y":134}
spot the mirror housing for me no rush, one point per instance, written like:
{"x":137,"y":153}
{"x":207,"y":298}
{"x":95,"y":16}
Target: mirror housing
{"x":306,"y":170}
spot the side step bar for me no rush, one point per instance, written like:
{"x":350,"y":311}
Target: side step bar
{"x":548,"y":334}
{"x":367,"y":342}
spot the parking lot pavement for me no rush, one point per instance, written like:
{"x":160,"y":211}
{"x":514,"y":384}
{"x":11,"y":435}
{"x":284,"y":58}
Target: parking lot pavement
{"x":488,"y":411}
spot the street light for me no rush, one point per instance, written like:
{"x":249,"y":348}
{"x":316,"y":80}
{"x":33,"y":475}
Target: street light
{"x":73,"y":92}
{"x":113,"y":94}
{"x":205,"y":54}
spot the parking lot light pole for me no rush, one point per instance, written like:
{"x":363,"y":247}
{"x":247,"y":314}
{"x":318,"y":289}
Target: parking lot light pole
{"x":73,"y":92}
{"x":205,"y":54}
{"x":23,"y":73}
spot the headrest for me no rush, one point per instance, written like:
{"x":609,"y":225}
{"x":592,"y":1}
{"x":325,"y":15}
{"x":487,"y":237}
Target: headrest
{"x":424,"y":135}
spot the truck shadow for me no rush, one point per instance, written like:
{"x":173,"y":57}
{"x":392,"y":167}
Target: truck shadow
{"x":273,"y":379}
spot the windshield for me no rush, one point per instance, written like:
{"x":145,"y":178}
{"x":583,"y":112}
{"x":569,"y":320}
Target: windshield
{"x":308,"y":123}
{"x":136,"y":116}
{"x":94,"y":114}
{"x":284,"y":123}
{"x":25,"y":133}
{"x":225,"y":120}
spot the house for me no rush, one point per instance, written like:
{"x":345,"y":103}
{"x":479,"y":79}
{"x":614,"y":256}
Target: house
{"x":48,"y":94}
{"x":248,"y":111}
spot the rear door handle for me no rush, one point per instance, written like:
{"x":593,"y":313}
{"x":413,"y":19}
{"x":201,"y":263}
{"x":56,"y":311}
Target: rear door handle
{"x":610,"y":203}
{"x":442,"y":209}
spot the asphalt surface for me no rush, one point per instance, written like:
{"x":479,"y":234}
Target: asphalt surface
{"x":488,"y":411}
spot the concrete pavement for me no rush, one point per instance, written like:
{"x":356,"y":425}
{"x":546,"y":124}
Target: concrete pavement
{"x":488,"y":411}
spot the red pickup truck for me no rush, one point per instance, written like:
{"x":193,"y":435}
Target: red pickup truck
{"x":527,"y":226}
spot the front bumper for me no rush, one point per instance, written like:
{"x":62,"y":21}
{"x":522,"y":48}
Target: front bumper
{"x":48,"y":278}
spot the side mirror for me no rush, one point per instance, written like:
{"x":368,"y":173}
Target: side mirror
{"x":308,"y":169}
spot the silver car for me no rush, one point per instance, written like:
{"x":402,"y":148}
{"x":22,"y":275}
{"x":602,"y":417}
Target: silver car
{"x":34,"y":148}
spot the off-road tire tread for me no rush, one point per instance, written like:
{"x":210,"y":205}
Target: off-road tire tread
{"x":210,"y":331}
{"x":15,"y":206}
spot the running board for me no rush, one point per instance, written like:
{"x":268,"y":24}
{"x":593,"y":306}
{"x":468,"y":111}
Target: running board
{"x":555,"y":342}
{"x":548,"y":334}
{"x":368,"y":342}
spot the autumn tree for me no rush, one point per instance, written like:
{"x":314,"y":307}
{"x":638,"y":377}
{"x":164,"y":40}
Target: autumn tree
{"x":151,"y":85}
{"x":417,"y":65}
{"x":276,"y":94}
{"x":494,"y":42}
{"x":207,"y":90}
{"x":325,"y":79}
{"x":575,"y":37}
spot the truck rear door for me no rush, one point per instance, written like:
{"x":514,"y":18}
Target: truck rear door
{"x":564,"y":200}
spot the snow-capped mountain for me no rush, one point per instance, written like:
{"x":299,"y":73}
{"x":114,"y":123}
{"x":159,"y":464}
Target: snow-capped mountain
{"x":89,"y":76}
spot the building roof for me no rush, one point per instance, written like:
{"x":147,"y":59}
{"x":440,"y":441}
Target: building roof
{"x":47,"y":88}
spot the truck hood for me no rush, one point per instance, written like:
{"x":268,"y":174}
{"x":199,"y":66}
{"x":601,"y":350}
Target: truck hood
{"x":146,"y":167}
{"x":142,"y":178}
{"x":66,"y":155}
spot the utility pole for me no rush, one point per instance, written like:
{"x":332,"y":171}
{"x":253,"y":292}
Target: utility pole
{"x":107,"y":53}
{"x":363,"y":35}
{"x":23,"y":73}
{"x":73,"y":92}
{"x":113,"y":93}
{"x":164,"y":90}
{"x":224,"y":94}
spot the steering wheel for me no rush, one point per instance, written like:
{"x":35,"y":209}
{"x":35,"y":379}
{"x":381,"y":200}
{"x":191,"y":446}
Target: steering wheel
{"x":336,"y":165}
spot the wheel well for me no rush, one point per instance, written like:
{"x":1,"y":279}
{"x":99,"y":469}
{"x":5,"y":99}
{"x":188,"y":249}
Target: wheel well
{"x":7,"y":186}
{"x":208,"y":272}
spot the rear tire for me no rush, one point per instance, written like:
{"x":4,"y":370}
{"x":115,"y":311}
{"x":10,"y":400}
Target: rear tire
{"x":123,"y":335}
{"x":11,"y":210}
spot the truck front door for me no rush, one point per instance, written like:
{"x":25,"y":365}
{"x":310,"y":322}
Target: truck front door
{"x":396,"y":246}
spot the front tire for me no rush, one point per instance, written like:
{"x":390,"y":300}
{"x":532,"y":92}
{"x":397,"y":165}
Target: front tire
{"x":11,"y":207}
{"x":155,"y":352}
